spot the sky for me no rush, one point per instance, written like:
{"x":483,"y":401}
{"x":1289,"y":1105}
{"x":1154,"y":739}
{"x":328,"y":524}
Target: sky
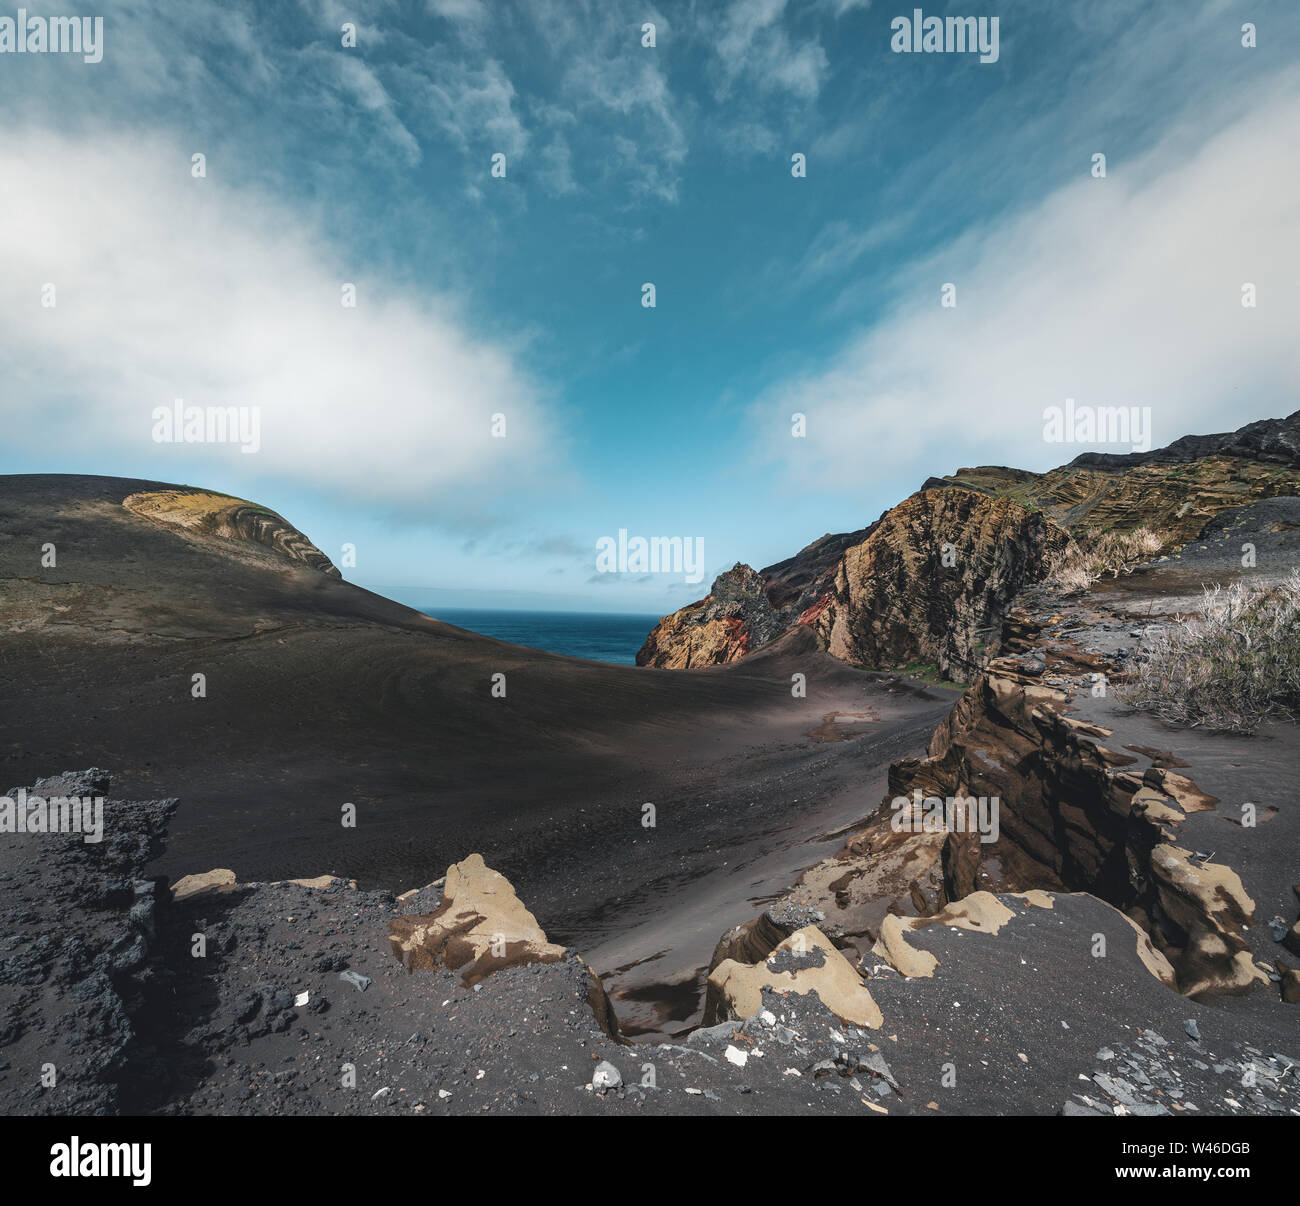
{"x":499,"y":399}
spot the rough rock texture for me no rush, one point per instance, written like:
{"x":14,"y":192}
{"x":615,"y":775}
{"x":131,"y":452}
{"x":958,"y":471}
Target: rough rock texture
{"x":78,"y":927}
{"x":480,"y":927}
{"x":755,"y":940}
{"x":928,"y":583}
{"x":896,"y":599}
{"x":1071,"y":815}
{"x":1174,"y":490}
{"x":201,"y":513}
{"x":804,"y":962}
{"x":206,"y":881}
{"x":734,"y":618}
{"x":881,"y":597}
{"x":1092,"y":797}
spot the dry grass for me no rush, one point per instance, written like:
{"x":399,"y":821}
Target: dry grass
{"x":1088,"y":558}
{"x":1229,"y":667}
{"x":183,"y":508}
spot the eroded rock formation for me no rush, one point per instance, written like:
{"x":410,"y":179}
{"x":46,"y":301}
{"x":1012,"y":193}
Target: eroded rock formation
{"x":202,"y":513}
{"x":1072,"y":816}
{"x":933,"y":581}
{"x":803,"y":962}
{"x":928,"y":583}
{"x":735,"y":618}
{"x":480,"y":927}
{"x":886,"y":597}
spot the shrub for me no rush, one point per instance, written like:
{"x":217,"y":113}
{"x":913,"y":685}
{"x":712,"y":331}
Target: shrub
{"x":1228,"y":667}
{"x":1088,"y":558}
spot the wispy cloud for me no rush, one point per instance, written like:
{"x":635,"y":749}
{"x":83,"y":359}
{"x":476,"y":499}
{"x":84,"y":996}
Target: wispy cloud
{"x":753,"y":43}
{"x":1117,"y":291}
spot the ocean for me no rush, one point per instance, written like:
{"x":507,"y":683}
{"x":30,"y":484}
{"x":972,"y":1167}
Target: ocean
{"x":597,"y":636}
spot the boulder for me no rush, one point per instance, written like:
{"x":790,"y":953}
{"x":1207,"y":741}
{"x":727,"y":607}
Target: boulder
{"x":208,"y":881}
{"x":480,"y":927}
{"x":805,"y":962}
{"x":1210,"y":903}
{"x":759,"y":937}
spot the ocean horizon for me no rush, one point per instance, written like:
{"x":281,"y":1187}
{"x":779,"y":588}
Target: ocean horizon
{"x":598,"y":636}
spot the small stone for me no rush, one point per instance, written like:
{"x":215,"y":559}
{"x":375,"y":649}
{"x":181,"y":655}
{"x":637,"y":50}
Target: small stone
{"x":1072,"y":1109}
{"x":606,"y":1077}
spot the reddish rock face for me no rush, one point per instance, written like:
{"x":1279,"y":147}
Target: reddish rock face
{"x":929,"y":582}
{"x":887,"y":596}
{"x":734,"y":618}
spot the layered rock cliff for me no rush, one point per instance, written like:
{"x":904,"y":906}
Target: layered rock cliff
{"x":1074,"y":814}
{"x":1184,"y":832}
{"x":931,"y":581}
{"x":1174,"y":490}
{"x":927,"y":583}
{"x":204,"y":514}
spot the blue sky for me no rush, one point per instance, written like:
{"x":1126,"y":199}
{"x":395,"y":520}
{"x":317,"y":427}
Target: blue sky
{"x":627,"y":164}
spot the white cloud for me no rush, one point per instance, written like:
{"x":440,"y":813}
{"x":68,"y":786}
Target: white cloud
{"x":168,"y":287}
{"x":472,"y":11}
{"x":617,"y":92}
{"x":476,"y":107}
{"x":361,"y":84}
{"x":753,"y":43}
{"x":1124,"y":291}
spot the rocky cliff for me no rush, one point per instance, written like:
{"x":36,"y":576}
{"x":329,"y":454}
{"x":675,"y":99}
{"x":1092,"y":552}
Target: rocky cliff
{"x":1184,"y":832}
{"x":927,"y":583}
{"x":932,"y":580}
{"x":200,"y":513}
{"x":1175,"y":490}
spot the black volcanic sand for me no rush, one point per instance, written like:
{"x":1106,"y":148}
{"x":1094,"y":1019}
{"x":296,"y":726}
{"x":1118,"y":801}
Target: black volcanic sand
{"x":525,"y":1040}
{"x":321,"y":694}
{"x":1020,"y":1022}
